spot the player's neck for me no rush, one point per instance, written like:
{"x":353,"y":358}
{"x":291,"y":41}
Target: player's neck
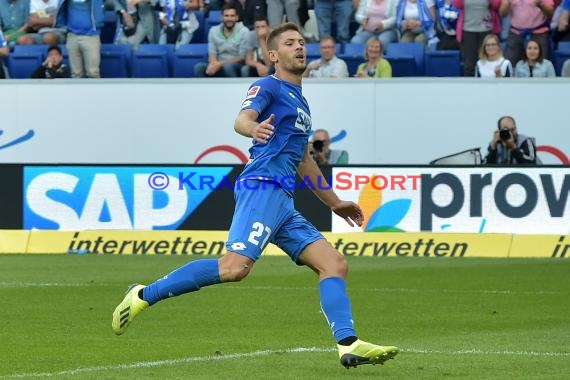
{"x":289,"y":77}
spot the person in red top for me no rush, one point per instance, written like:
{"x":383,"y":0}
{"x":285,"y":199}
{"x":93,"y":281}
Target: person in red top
{"x":529,"y":18}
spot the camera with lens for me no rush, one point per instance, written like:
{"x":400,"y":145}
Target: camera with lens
{"x":505,"y":134}
{"x":318,"y":145}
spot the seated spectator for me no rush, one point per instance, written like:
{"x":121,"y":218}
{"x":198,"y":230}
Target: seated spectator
{"x":14,"y":16}
{"x":446,"y":26}
{"x":329,"y":65}
{"x":375,"y":66}
{"x":566,"y":69}
{"x":476,"y":20}
{"x":319,"y":147}
{"x":534,"y":65}
{"x":41,"y":22}
{"x":138,"y":22}
{"x":257,"y":62}
{"x":508,"y":147}
{"x":415,"y":20}
{"x":4,"y":52}
{"x":491,"y":63}
{"x":376,"y":18}
{"x":529,"y":18}
{"x":178,"y":21}
{"x":53,"y":66}
{"x":226,"y":47}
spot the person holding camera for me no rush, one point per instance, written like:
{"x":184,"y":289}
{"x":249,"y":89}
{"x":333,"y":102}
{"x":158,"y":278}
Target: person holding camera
{"x":508,"y":147}
{"x":138,"y":22}
{"x":321,"y":152}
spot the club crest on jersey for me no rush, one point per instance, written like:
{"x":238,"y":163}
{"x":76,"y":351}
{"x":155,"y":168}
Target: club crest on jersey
{"x":303,"y":121}
{"x":252,"y":93}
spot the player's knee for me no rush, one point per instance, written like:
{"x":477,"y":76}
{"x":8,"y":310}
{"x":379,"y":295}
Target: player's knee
{"x":341,"y":266}
{"x":233,"y":271}
{"x":335,"y":267}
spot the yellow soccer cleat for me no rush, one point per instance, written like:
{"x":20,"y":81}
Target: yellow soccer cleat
{"x":361,"y":352}
{"x":128,"y":309}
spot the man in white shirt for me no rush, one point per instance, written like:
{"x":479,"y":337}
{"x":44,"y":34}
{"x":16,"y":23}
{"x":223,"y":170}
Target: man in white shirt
{"x":41,"y":22}
{"x":329,"y":65}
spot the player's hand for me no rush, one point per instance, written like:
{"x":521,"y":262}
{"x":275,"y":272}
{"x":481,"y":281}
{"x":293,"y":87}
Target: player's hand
{"x":264,"y":130}
{"x":349,"y":211}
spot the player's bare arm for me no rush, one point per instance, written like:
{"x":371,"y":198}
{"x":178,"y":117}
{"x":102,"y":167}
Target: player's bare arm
{"x":350,"y":211}
{"x":246,"y":125}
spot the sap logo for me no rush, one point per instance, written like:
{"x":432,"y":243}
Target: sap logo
{"x":80,"y":198}
{"x":18,"y":140}
{"x":303,"y":121}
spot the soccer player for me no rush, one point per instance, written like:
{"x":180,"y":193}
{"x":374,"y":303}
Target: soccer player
{"x":276,"y":116}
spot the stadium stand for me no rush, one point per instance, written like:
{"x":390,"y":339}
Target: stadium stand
{"x":443,"y":63}
{"x":399,"y":52}
{"x":186,"y":57}
{"x":115,"y":61}
{"x":153,"y":61}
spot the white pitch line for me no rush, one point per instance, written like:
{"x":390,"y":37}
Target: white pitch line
{"x":30,"y":284}
{"x":193,"y":359}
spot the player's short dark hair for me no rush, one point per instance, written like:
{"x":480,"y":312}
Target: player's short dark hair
{"x":277,"y":32}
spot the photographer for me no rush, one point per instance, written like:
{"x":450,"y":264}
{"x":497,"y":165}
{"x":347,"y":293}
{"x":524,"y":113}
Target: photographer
{"x":508,"y":147}
{"x":319,"y":147}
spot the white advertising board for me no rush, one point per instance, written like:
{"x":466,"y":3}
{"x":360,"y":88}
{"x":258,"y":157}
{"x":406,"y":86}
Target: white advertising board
{"x":466,"y":200}
{"x":400,"y":121}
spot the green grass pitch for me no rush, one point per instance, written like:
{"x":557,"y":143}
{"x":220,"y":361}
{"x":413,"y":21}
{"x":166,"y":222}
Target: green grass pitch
{"x":452,"y":318}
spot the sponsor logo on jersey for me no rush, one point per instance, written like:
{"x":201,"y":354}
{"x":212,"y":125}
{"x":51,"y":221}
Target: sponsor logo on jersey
{"x":252,"y":93}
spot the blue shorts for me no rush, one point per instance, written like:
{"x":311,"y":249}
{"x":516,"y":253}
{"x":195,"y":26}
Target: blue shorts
{"x":264,"y":214}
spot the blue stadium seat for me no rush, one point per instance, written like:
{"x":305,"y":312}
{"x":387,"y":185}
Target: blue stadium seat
{"x":443,"y":63}
{"x":214,"y":18}
{"x":115,"y":60}
{"x":186,"y":57}
{"x":403,"y":66}
{"x":153,"y":61}
{"x":408,"y":49}
{"x":560,"y":56}
{"x":25,"y":59}
{"x":353,"y":55}
{"x":563,"y":46}
{"x":109,"y":29}
{"x":199,"y":35}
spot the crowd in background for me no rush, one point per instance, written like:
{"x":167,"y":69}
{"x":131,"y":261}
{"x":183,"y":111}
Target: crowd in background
{"x":496,"y":38}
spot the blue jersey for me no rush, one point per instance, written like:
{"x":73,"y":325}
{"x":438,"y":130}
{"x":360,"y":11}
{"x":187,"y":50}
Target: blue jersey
{"x":280,"y":157}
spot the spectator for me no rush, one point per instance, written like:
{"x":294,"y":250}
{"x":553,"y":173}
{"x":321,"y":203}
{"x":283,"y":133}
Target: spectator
{"x":534,"y":65}
{"x":321,"y":152}
{"x":566,"y":69}
{"x":257,"y":62}
{"x":226,"y":47}
{"x":53,"y":66}
{"x":138,"y":22}
{"x":342,"y":10}
{"x":447,"y":15}
{"x":41,"y":21}
{"x":178,"y":21}
{"x":491,"y":63}
{"x":276,"y":9}
{"x":529,"y":18}
{"x":508,"y":147}
{"x":13,"y":19}
{"x":4,"y":52}
{"x":415,"y":21}
{"x":376,"y":18}
{"x":329,"y":65}
{"x":84,"y":21}
{"x":252,"y":10}
{"x":477,"y":19}
{"x":559,"y":23}
{"x":375,"y":66}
